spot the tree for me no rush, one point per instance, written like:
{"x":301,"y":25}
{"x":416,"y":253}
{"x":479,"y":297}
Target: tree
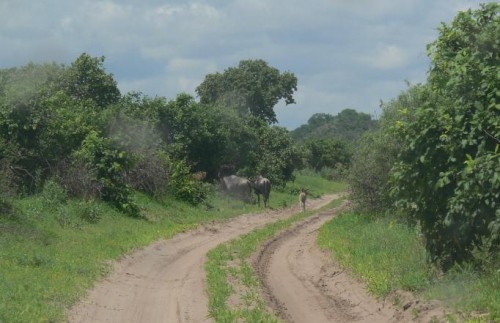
{"x":87,"y":79}
{"x":251,"y":88}
{"x":377,"y":150}
{"x":448,"y":176}
{"x":275,"y":156}
{"x":205,"y":135}
{"x":328,"y":153}
{"x":348,"y":125}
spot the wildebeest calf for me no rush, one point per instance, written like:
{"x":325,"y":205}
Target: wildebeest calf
{"x":302,"y":199}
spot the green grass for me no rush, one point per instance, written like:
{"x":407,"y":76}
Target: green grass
{"x":474,"y":294}
{"x":53,"y":249}
{"x":389,"y":256}
{"x":385,"y":254}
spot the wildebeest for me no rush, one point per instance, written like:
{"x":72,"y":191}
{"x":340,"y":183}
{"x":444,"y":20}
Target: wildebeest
{"x":237,"y":186}
{"x":262,"y":186}
{"x":302,"y":199}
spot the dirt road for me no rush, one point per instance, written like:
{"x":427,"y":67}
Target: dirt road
{"x":303,"y":284}
{"x":164,"y":282}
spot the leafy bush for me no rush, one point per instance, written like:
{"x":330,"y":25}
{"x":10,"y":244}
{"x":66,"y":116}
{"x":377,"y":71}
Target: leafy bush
{"x":89,"y":211}
{"x":110,"y":164}
{"x":183,"y":187}
{"x":377,"y":151}
{"x":448,"y":176}
{"x":78,"y":179}
{"x":369,"y":173}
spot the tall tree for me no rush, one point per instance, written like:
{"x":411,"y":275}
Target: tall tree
{"x":87,"y":79}
{"x":253,"y":88}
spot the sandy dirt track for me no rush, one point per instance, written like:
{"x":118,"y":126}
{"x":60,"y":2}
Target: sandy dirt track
{"x":303,"y":284}
{"x":165,"y":281}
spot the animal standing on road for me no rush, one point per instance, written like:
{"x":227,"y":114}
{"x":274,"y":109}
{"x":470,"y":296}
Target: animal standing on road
{"x":262,"y":186}
{"x":302,"y":199}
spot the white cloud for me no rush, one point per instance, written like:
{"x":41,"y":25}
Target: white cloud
{"x":344,"y":53}
{"x":387,"y":57}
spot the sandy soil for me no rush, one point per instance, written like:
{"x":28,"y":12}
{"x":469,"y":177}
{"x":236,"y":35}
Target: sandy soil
{"x":165,"y":282}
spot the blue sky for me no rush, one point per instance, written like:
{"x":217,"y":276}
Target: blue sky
{"x":345,"y":53}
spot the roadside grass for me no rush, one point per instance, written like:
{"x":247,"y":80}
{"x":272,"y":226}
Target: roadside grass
{"x":53,"y":248}
{"x":229,"y":275}
{"x":389,"y":256}
{"x":474,"y":295}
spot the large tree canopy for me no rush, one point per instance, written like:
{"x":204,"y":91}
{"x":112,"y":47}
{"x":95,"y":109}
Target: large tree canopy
{"x":253,"y":88}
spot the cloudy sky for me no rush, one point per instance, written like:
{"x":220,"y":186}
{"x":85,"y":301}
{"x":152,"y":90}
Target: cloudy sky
{"x":345,"y":53}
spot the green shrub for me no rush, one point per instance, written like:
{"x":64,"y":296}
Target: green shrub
{"x":110,"y":163}
{"x":183,"y":187}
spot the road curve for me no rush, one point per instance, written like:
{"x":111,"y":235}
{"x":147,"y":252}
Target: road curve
{"x":302,"y":284}
{"x":165,"y":281}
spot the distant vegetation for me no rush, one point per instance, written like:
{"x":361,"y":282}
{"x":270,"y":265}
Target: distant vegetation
{"x":346,"y":126}
{"x":71,"y":125}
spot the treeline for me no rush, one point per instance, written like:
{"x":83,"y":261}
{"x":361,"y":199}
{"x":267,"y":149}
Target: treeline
{"x":329,"y":140}
{"x":71,"y":126}
{"x":347,"y":126}
{"x":435,"y":157}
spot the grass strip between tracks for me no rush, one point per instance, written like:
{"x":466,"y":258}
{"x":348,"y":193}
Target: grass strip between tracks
{"x":234,"y":289}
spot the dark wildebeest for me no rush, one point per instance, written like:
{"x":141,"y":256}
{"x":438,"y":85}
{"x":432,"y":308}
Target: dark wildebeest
{"x":237,"y":186}
{"x":262,"y":186}
{"x":302,"y":199}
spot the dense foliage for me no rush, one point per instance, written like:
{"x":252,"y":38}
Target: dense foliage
{"x":377,"y":150}
{"x":347,"y":126}
{"x":448,"y":175}
{"x":71,"y":124}
{"x":437,"y":151}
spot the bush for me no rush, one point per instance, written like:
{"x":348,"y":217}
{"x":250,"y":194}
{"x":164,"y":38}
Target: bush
{"x":150,"y":175}
{"x":448,"y":175}
{"x":89,"y":211}
{"x":110,"y":164}
{"x":183,"y":187}
{"x":78,"y":179}
{"x":369,"y":173}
